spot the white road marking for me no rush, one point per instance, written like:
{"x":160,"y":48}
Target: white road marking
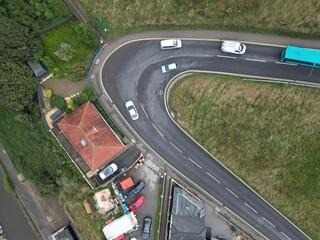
{"x":284,"y":63}
{"x":250,"y":207}
{"x":4,"y":151}
{"x":144,"y":110}
{"x":157,"y":129}
{"x":214,"y":178}
{"x":269,"y":222}
{"x":175,"y":147}
{"x":285,"y":235}
{"x":223,"y":56}
{"x":255,"y":60}
{"x":232,"y":192}
{"x":195,"y":163}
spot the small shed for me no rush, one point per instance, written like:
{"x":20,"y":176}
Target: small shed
{"x":37,"y":68}
{"x":126,"y":183}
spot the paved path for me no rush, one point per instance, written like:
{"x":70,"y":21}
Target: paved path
{"x":47,"y":214}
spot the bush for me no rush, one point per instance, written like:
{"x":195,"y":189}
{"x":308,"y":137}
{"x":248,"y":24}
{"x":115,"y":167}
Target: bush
{"x":86,"y":34}
{"x":65,"y":52}
{"x":47,"y":93}
{"x":86,"y":94}
{"x":48,"y":62}
{"x":61,"y":103}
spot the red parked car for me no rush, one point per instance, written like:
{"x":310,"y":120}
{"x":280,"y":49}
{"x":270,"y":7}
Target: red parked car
{"x":138,"y":202}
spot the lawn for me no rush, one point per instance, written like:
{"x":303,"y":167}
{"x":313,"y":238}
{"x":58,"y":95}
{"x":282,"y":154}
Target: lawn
{"x":267,"y":134}
{"x":300,"y":19}
{"x":76,"y":68}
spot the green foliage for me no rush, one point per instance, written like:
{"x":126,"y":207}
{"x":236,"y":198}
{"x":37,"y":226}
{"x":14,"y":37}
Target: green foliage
{"x":17,"y":86}
{"x":65,"y":52}
{"x":48,"y":62}
{"x":47,"y":93}
{"x":86,"y":34}
{"x":7,"y":185}
{"x":61,"y":103}
{"x":86,"y":94}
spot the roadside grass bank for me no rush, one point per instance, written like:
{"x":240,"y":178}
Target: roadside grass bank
{"x":300,"y":19}
{"x":267,"y":134}
{"x":156,"y":221}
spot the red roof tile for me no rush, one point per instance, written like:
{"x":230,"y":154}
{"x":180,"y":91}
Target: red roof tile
{"x":91,"y":136}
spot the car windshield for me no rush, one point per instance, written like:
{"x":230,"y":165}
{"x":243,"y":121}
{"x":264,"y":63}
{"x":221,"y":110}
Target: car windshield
{"x":130,"y":107}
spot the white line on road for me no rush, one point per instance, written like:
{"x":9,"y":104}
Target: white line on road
{"x":195,"y":163}
{"x":285,"y":235}
{"x":214,"y":178}
{"x":144,"y":110}
{"x":157,"y":130}
{"x":284,"y":63}
{"x":223,"y":56}
{"x":269,"y":222}
{"x":232,"y":192}
{"x":175,"y":147}
{"x":4,"y":151}
{"x":255,"y":60}
{"x":250,"y":207}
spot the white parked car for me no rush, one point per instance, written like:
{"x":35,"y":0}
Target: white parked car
{"x":233,"y":47}
{"x":170,"y":44}
{"x":169,"y":67}
{"x":132,"y":110}
{"x":108,"y":171}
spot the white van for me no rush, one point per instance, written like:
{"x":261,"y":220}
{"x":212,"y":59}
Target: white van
{"x":170,"y":44}
{"x":233,"y":47}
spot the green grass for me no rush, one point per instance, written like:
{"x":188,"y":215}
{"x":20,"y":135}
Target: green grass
{"x":268,"y":16}
{"x":267,"y":134}
{"x":156,"y":219}
{"x":76,"y":68}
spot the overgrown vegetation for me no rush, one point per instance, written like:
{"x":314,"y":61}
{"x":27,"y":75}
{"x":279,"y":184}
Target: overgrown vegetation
{"x":268,"y":16}
{"x":266,"y":134}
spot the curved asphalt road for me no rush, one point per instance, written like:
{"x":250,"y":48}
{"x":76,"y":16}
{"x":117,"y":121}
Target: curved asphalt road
{"x":133,"y":73}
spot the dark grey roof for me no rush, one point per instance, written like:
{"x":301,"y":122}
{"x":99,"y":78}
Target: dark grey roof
{"x":37,"y":68}
{"x":187,"y":218}
{"x":186,"y":205}
{"x":65,"y":233}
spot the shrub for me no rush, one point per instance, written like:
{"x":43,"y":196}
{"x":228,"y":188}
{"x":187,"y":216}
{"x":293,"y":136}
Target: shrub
{"x":86,"y":34}
{"x":47,"y":93}
{"x":61,"y":103}
{"x":65,"y":52}
{"x":48,"y":62}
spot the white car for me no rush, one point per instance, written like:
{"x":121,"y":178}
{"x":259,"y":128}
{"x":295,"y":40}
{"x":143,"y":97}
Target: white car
{"x":233,"y":47}
{"x":108,"y":171}
{"x":169,"y":67}
{"x":170,"y":44}
{"x":132,"y":110}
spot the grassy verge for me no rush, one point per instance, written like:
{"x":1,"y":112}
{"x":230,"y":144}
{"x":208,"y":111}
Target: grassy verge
{"x":75,"y":68}
{"x":156,"y":219}
{"x":268,"y":16}
{"x":267,"y":134}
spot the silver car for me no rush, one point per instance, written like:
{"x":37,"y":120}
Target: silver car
{"x":169,"y":67}
{"x":132,"y":110}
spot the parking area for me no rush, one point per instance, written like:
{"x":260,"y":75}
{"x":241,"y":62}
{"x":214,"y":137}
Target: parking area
{"x":149,"y":173}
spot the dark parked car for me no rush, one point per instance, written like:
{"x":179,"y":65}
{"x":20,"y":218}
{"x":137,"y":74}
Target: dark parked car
{"x":146,"y":228}
{"x":137,"y":188}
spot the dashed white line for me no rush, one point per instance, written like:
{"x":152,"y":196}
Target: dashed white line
{"x":232,"y":192}
{"x":255,"y":60}
{"x":285,"y":235}
{"x":144,"y":110}
{"x":175,"y":147}
{"x":223,"y":56}
{"x":284,"y":63}
{"x":157,"y":129}
{"x":214,"y":178}
{"x":269,"y":222}
{"x":250,"y":207}
{"x":195,"y":163}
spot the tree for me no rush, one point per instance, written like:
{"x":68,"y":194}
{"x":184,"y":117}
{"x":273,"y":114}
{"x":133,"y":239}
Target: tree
{"x":65,"y":52}
{"x":86,"y":34}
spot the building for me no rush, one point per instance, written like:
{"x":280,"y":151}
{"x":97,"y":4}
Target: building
{"x":119,"y":227}
{"x":65,"y":233}
{"x":187,"y":217}
{"x":91,"y":136}
{"x":37,"y":69}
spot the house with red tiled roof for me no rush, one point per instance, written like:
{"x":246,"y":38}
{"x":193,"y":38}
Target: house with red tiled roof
{"x":91,"y":136}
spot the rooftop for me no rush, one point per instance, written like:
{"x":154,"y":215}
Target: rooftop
{"x":91,"y":136}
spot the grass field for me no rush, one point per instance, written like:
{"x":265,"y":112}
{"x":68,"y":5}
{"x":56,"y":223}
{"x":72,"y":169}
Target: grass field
{"x":267,"y":134}
{"x":298,"y":18}
{"x":77,"y":67}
